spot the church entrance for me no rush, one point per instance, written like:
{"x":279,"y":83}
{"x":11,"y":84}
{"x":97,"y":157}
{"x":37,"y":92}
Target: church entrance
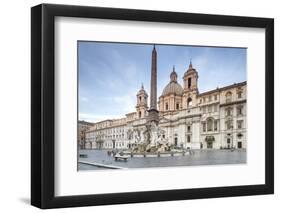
{"x":209,"y":145}
{"x":210,"y":140}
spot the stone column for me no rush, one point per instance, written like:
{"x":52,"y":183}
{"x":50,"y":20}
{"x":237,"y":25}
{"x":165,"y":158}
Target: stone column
{"x":153,"y":112}
{"x":153,"y":80}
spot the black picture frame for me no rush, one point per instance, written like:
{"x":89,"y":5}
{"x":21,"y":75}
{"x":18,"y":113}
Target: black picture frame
{"x":43,"y":105}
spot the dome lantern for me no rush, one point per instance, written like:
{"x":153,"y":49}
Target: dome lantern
{"x":173,"y":87}
{"x":173,"y":75}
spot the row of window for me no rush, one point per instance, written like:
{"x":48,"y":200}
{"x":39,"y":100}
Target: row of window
{"x":102,"y":125}
{"x":189,"y":104}
{"x":109,"y":131}
{"x":204,"y":108}
{"x":229,"y":111}
{"x":104,"y":136}
{"x":105,"y":124}
{"x":228,"y":97}
{"x":229,"y":124}
{"x":110,"y":128}
{"x":117,"y":145}
{"x":209,"y":98}
{"x":209,"y":108}
{"x":188,"y":138}
{"x":167,"y":106}
{"x":212,"y":125}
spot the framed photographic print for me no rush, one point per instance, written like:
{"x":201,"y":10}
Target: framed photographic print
{"x":139,"y":106}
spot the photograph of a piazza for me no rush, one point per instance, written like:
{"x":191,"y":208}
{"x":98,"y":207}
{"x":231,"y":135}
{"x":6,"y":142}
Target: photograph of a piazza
{"x":147,"y":105}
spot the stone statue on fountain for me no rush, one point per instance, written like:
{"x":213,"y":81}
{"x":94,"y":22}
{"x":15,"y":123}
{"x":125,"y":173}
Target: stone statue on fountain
{"x":154,"y":133}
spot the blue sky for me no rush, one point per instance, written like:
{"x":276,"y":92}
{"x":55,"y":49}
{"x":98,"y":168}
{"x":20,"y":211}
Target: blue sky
{"x":110,"y":74}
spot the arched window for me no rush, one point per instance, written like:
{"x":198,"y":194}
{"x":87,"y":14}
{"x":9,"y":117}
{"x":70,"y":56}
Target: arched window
{"x":210,"y":125}
{"x":188,"y":139}
{"x":140,"y":98}
{"x":177,"y":106}
{"x":189,"y":102}
{"x":140,"y":114}
{"x":228,"y":97}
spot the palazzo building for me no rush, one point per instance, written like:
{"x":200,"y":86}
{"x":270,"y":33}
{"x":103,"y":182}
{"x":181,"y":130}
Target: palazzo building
{"x":83,"y":126}
{"x":215,"y":119}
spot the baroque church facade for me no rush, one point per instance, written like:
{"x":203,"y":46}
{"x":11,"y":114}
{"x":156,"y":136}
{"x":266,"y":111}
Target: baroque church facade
{"x":188,"y":119}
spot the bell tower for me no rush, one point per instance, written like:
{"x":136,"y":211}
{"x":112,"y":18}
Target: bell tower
{"x":190,"y":80}
{"x":141,"y":103}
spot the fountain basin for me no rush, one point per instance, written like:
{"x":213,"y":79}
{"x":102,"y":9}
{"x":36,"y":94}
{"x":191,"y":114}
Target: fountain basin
{"x":159,"y":154}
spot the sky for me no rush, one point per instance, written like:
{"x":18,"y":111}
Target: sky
{"x":111,"y":74}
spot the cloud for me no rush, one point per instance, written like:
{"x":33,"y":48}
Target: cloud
{"x":111,"y":74}
{"x":85,"y":99}
{"x":126,"y":101}
{"x":96,"y":118}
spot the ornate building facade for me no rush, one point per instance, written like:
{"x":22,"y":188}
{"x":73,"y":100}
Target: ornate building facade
{"x":211,"y":120}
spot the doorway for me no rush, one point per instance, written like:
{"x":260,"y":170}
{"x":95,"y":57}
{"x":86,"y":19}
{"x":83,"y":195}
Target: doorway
{"x":239,"y":145}
{"x":209,"y":145}
{"x":228,"y":143}
{"x":176,"y":141}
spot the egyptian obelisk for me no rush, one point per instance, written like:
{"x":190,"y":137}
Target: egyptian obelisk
{"x":153,"y":112}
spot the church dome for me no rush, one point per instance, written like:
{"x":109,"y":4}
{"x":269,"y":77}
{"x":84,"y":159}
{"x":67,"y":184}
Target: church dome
{"x":173,"y":87}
